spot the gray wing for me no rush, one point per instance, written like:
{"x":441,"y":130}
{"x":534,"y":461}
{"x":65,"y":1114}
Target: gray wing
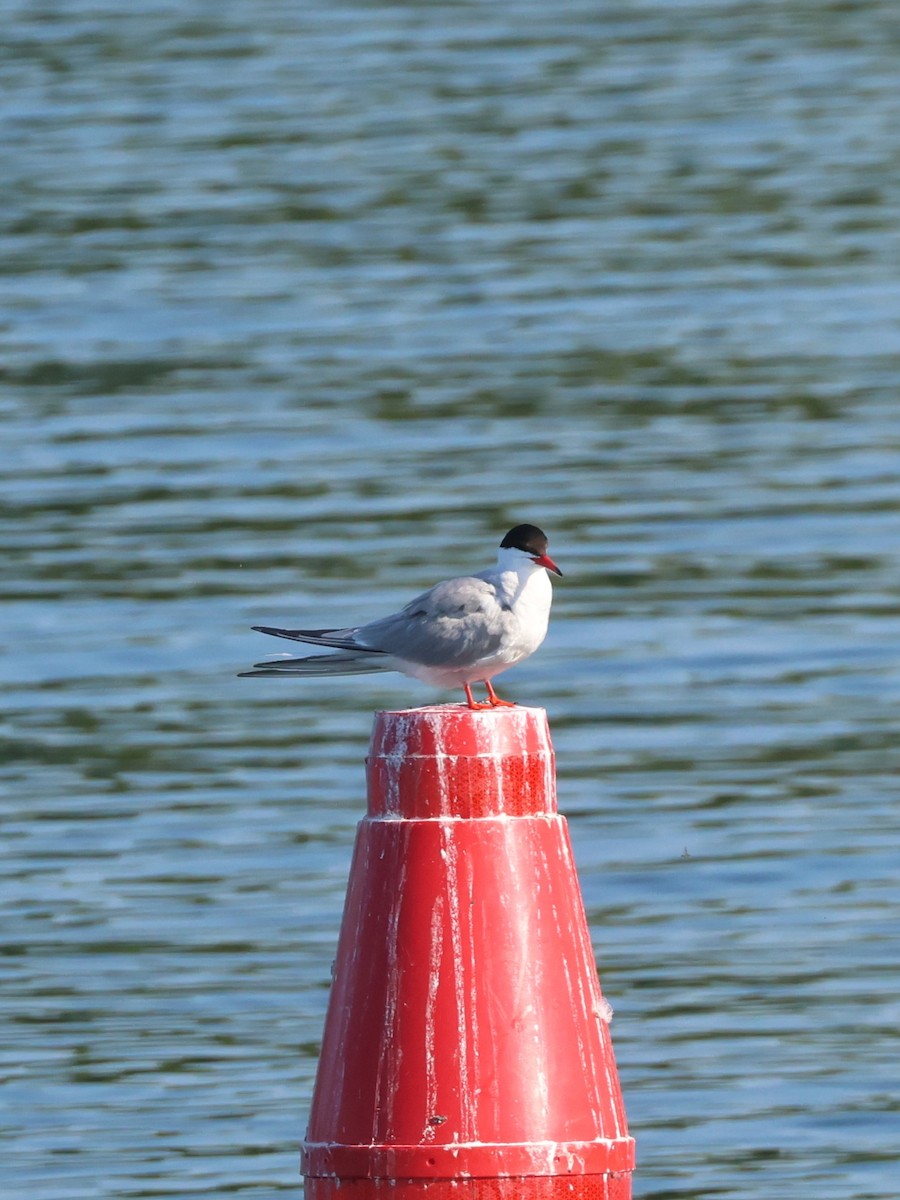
{"x":454,"y":623}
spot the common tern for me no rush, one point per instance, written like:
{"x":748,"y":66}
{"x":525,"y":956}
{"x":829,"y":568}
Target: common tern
{"x":462,"y":631}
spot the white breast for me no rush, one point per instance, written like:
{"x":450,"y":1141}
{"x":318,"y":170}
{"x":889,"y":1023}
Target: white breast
{"x":530,"y":605}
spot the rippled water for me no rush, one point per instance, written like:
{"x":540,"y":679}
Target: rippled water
{"x":301,"y":308}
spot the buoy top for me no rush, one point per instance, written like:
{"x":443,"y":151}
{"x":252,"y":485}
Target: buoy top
{"x":450,"y":761}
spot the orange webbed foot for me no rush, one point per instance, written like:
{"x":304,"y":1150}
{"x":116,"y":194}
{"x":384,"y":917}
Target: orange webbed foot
{"x":495,"y":701}
{"x":473,"y":703}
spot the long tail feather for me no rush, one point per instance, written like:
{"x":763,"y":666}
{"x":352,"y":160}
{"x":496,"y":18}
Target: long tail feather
{"x":337,"y":639}
{"x":320,"y":664}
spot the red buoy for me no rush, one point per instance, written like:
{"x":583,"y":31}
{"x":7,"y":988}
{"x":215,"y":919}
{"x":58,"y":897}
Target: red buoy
{"x":466,"y":1050}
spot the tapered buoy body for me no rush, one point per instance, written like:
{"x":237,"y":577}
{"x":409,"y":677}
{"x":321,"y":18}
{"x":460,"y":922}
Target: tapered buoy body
{"x":466,"y":1050}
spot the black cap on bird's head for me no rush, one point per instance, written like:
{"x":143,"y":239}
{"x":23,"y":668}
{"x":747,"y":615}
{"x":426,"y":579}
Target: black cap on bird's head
{"x":532,"y":541}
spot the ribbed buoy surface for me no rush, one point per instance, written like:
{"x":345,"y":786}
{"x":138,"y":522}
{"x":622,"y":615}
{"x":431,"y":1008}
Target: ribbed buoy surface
{"x":466,"y":1047}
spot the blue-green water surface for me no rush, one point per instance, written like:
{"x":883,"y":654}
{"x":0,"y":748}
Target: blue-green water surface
{"x":301,"y":307}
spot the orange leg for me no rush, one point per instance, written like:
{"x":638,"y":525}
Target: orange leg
{"x":494,"y":700}
{"x":473,"y":703}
